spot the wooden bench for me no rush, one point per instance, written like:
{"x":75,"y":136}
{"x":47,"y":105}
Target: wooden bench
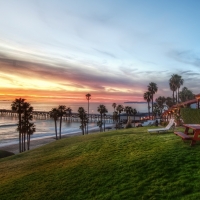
{"x":183,"y":136}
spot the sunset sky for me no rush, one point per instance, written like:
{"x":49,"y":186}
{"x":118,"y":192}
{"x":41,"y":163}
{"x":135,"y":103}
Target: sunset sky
{"x":60,"y":50}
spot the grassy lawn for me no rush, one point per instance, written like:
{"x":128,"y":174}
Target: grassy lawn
{"x":122,"y":164}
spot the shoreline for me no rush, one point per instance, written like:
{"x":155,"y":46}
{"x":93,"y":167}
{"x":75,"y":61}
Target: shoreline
{"x":35,"y":143}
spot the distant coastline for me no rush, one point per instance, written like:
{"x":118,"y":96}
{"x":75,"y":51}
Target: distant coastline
{"x":135,"y":102}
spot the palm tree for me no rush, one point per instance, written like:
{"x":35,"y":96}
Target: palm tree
{"x":179,"y":83}
{"x":29,"y":128}
{"x":114,"y":106}
{"x":25,"y":127}
{"x":134,"y":111}
{"x":17,"y":106}
{"x":148,"y":97}
{"x":62,"y":111}
{"x":119,"y":109}
{"x":152,"y":88}
{"x":127,"y":109}
{"x":83,"y":117}
{"x":175,"y":83}
{"x":173,"y":88}
{"x":88,"y":97}
{"x":54,"y":113}
{"x":102,"y":110}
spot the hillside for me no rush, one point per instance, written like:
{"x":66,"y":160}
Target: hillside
{"x":123,"y":164}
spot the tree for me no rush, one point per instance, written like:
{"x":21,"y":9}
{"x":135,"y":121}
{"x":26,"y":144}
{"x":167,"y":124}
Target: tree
{"x":114,"y":106}
{"x":173,"y":85}
{"x":134,"y":113}
{"x":88,"y":97}
{"x":62,"y":111}
{"x":186,"y":95}
{"x":69,"y":110}
{"x":156,"y":110}
{"x":148,"y":97}
{"x":28,"y":128}
{"x":175,"y":82}
{"x":25,"y":127}
{"x":102,"y":110}
{"x":54,"y":113}
{"x":83,"y":117}
{"x":169,"y":102}
{"x":128,"y":110}
{"x":17,"y":107}
{"x":119,"y":109}
{"x":161,"y":103}
{"x":152,"y":88}
{"x":115,"y":117}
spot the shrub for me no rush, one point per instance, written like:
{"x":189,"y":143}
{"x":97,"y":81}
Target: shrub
{"x":190,"y":115}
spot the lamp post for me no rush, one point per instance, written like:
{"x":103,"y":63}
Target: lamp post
{"x":88,"y":97}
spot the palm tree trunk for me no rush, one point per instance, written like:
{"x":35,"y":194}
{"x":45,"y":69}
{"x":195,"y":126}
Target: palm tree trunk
{"x":20,"y":136}
{"x":56,"y":129}
{"x":178,"y":95}
{"x":149,"y":109}
{"x":104,"y":123}
{"x":88,"y":116}
{"x":173,"y":96}
{"x":101,"y":123}
{"x":152,"y":107}
{"x":60,"y":125}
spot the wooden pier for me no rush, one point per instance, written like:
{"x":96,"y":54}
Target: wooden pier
{"x":44,"y":115}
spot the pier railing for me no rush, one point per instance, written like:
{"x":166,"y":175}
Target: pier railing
{"x":73,"y":117}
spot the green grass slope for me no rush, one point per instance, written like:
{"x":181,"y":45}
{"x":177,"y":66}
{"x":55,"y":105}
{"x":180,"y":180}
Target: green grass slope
{"x":122,"y":164}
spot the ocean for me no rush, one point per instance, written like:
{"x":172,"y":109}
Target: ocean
{"x":46,"y":128}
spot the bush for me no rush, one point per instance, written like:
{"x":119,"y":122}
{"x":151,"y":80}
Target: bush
{"x":190,"y":115}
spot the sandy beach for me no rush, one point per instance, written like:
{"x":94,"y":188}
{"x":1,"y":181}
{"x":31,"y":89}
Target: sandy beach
{"x":14,"y":148}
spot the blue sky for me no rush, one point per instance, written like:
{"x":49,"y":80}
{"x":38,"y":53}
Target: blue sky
{"x":111,"y":49}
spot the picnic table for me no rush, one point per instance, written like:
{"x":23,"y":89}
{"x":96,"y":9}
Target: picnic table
{"x":196,"y":132}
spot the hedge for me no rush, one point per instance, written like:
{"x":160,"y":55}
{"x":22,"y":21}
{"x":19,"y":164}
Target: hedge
{"x":190,"y":115}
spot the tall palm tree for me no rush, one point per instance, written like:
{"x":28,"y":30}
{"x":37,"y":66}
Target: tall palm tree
{"x":119,"y":109}
{"x":148,"y":96}
{"x":88,"y":97}
{"x":114,"y":106}
{"x":175,"y":83}
{"x":102,"y":110}
{"x":17,"y":106}
{"x":54,"y":113}
{"x":179,"y":83}
{"x":83,"y":117}
{"x":62,"y":111}
{"x":127,"y":110}
{"x":152,"y":88}
{"x":27,"y":127}
{"x":172,"y":88}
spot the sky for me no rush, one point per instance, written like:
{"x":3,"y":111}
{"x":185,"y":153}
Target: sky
{"x":60,"y":50}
